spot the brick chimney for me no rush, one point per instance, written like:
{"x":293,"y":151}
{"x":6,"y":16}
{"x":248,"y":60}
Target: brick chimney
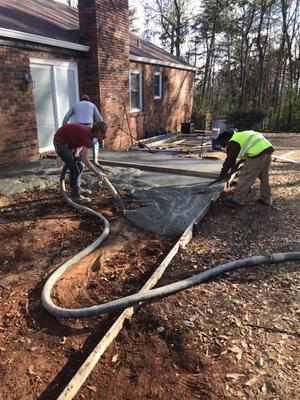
{"x":104,"y":26}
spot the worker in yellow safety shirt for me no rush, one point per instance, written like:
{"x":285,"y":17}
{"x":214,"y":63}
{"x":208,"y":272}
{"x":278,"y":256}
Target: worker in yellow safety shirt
{"x":255,"y":151}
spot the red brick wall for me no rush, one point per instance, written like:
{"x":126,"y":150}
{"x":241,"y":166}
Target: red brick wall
{"x":175,"y":106}
{"x":18,"y":133}
{"x":18,"y":138}
{"x":104,"y":24}
{"x":103,"y":74}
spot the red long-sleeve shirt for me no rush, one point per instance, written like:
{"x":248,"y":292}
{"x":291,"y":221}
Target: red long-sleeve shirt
{"x":74,"y":136}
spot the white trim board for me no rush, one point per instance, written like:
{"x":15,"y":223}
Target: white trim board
{"x":50,"y":61}
{"x":10,"y":33}
{"x":159,"y":62}
{"x":160,"y":84}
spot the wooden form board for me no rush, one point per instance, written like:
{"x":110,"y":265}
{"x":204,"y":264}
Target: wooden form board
{"x":153,"y":168}
{"x":84,"y":371}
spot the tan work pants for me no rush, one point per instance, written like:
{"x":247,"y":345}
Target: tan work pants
{"x":254,"y":168}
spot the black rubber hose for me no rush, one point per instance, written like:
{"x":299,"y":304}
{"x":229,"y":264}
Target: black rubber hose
{"x":170,"y":289}
{"x":141,"y":296}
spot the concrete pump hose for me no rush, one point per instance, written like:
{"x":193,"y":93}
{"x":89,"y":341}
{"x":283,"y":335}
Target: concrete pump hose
{"x":141,"y":296}
{"x":115,"y":194}
{"x":165,"y":290}
{"x":46,"y":293}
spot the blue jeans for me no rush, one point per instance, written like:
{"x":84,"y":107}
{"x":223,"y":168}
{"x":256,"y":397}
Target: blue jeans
{"x":75,"y":167}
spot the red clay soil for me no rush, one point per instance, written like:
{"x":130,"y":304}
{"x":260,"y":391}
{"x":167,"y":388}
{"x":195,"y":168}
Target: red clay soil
{"x":38,"y":233}
{"x":233,"y":338}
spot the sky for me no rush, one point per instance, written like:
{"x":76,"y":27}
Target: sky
{"x":139,"y":8}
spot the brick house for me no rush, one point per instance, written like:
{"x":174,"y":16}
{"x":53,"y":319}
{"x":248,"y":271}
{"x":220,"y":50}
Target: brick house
{"x":49,"y":53}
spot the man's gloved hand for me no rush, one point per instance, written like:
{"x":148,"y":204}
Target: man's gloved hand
{"x":99,"y":175}
{"x":238,"y":164}
{"x":77,"y":158}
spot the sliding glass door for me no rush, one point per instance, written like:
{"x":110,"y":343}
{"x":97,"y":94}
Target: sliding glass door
{"x":55,"y":91}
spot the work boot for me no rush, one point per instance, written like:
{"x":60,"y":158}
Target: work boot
{"x":80,"y":199}
{"x":231,"y":203}
{"x":265,"y":203}
{"x":87,"y":192}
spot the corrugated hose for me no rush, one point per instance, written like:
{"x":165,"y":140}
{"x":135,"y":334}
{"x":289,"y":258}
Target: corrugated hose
{"x":134,"y":299}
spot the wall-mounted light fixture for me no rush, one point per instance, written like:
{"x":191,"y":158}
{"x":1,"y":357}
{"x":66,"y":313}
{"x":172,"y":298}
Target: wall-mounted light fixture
{"x":28,"y":79}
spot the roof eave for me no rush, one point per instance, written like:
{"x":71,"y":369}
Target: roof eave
{"x":147,"y":60}
{"x":29,"y":37}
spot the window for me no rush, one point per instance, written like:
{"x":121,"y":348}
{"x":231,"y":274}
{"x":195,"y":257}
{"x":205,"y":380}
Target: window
{"x":136,"y":90}
{"x":157,"y":85}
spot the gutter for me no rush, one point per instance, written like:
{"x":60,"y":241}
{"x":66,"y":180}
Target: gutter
{"x":29,"y":37}
{"x":159,"y":62}
{"x":10,"y":33}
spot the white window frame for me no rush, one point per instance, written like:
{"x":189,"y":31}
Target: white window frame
{"x":158,"y":97}
{"x":140,"y":74}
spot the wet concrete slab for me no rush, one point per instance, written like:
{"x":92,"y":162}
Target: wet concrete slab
{"x":165,"y":163}
{"x":170,"y":210}
{"x":169,"y":202}
{"x":131,"y":178}
{"x":168,"y":193}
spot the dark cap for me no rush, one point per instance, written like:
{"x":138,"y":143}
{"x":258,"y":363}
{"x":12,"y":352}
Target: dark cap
{"x":85,"y":97}
{"x":224,"y":137}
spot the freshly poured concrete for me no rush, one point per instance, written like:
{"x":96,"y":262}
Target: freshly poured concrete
{"x":33,"y":175}
{"x":132,"y":178}
{"x":169,"y":202}
{"x":169,"y":210}
{"x":161,"y":163}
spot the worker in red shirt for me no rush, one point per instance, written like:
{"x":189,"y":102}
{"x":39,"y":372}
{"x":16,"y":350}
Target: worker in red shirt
{"x":71,"y":140}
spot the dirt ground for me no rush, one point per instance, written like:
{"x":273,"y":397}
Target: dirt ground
{"x":236,"y":337}
{"x":38,"y":233}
